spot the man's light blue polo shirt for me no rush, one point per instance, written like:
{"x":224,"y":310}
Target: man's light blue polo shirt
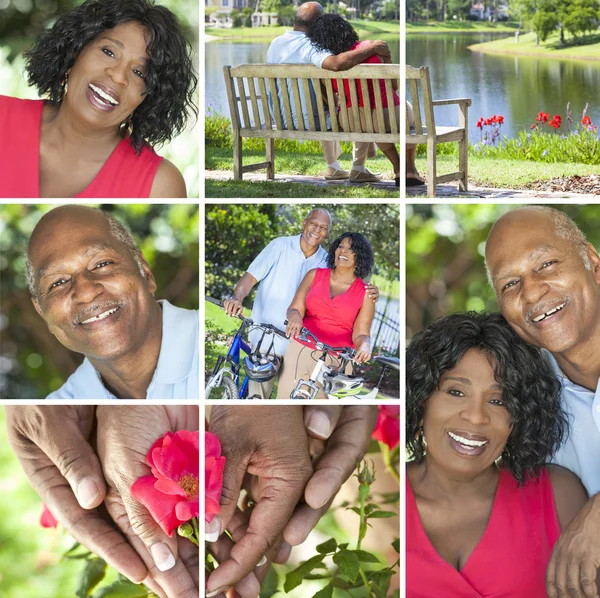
{"x":176,"y":374}
{"x":581,"y":452}
{"x":295,"y":47}
{"x":280,"y":268}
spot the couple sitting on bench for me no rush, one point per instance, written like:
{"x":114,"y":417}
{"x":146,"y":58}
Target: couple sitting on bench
{"x":330,"y":42}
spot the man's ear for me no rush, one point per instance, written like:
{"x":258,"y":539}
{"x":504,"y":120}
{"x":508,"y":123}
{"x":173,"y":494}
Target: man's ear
{"x":148,"y":274}
{"x":595,"y":261}
{"x":37,"y":306}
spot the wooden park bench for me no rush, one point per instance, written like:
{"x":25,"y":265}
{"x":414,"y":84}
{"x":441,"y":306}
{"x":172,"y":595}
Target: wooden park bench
{"x":420,"y":94}
{"x":264,"y":101}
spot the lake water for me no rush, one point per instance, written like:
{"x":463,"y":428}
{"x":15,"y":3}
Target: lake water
{"x":220,"y":54}
{"x":515,"y":87}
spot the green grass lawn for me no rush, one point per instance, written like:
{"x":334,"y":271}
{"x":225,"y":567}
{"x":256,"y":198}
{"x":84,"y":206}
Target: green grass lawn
{"x":460,"y":27}
{"x":509,"y":174}
{"x":386,"y":287}
{"x":291,"y":163}
{"x":587,"y":49}
{"x":385,"y":30}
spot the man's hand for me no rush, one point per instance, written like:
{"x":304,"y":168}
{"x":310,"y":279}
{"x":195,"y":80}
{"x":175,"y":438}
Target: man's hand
{"x":381,"y":49}
{"x":252,"y":442}
{"x":574,"y":569}
{"x":348,"y":430}
{"x":372,"y":292}
{"x":125,"y":434}
{"x":232,"y":307}
{"x":51,"y":442}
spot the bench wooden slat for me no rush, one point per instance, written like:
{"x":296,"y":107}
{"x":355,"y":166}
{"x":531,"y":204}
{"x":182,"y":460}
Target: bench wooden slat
{"x":355,"y":107}
{"x":304,"y":71}
{"x":265,"y":102}
{"x":298,"y":104}
{"x":414,"y":99}
{"x":320,"y":109}
{"x":276,"y":106}
{"x":243,"y":101}
{"x":379,"y":108}
{"x":367,"y":104}
{"x":343,"y":106}
{"x":389,"y":92}
{"x":254,"y":101}
{"x":287,"y":105}
{"x":309,"y":104}
{"x":332,"y":109}
{"x":316,"y":135}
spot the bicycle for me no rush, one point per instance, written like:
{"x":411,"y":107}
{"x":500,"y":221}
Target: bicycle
{"x":335,"y":382}
{"x":224,"y":382}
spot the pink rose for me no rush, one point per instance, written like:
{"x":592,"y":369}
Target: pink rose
{"x":213,"y":478}
{"x":387,"y":429}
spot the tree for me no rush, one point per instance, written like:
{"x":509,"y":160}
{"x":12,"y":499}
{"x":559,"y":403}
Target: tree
{"x":545,"y":20}
{"x":580,"y":16}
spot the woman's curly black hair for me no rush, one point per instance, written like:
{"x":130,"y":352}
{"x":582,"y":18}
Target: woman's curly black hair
{"x":333,"y":34}
{"x":530,"y":388}
{"x":363,"y":254}
{"x":170,"y":78}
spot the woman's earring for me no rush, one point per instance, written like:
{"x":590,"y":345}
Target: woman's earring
{"x":126,"y":128}
{"x":422,"y":439}
{"x":502,"y":460}
{"x":65,"y":84}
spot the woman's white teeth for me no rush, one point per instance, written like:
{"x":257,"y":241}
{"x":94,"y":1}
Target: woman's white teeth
{"x":466,"y":441}
{"x":101,"y":316}
{"x":104,"y":96}
{"x":549,"y":313}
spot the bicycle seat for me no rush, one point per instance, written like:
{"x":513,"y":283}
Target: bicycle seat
{"x":390,"y":362}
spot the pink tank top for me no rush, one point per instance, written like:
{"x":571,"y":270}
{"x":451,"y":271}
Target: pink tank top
{"x":124,"y":174}
{"x":511,"y":558}
{"x":332,"y":320}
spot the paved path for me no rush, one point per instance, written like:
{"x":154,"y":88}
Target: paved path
{"x":486,"y":192}
{"x":225,"y":175}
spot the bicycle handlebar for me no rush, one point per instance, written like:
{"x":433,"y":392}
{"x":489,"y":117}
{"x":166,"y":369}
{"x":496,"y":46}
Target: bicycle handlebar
{"x":249,"y":321}
{"x":306,"y":334}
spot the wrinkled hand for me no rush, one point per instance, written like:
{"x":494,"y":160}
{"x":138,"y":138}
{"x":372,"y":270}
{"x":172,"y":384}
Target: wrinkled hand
{"x":51,"y":443}
{"x":372,"y":291}
{"x":294,"y":325}
{"x":348,"y":432}
{"x":125,"y":434}
{"x":574,"y":568}
{"x":252,"y":441}
{"x":232,"y":307}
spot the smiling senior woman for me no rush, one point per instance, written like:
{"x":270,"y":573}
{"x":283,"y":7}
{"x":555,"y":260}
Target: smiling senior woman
{"x":119,"y":79}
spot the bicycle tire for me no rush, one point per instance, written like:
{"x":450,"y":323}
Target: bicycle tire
{"x":226,"y":390}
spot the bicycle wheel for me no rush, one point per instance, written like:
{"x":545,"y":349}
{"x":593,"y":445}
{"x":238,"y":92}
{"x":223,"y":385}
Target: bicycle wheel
{"x":226,"y":390}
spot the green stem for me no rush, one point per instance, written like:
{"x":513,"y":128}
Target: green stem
{"x":363,"y":491}
{"x":387,"y":459}
{"x":364,"y":578}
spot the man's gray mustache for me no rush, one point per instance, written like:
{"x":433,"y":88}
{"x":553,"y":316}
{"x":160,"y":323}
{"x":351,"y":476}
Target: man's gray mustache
{"x":96,"y":309}
{"x":543,"y":307}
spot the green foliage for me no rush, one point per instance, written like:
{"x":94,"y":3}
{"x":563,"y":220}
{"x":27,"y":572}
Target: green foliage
{"x":92,"y":574}
{"x":286,"y":16}
{"x":168,"y":238}
{"x":545,"y":20}
{"x":445,"y":271}
{"x":581,"y":16}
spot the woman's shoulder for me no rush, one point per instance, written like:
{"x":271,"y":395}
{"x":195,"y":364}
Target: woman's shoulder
{"x":569,"y":493}
{"x":16,"y":107}
{"x":168,"y":182}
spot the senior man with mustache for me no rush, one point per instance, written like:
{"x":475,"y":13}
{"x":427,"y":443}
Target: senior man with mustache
{"x":547,"y":281}
{"x":95,"y":291}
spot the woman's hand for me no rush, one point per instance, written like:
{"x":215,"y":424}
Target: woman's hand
{"x":363,"y":351}
{"x":294,"y":325}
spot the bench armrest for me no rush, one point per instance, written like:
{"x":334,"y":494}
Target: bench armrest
{"x":466,"y":101}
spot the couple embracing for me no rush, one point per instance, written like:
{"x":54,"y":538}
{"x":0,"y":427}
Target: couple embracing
{"x":330,"y":42}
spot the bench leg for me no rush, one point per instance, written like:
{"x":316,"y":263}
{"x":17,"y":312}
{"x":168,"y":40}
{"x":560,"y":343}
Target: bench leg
{"x":431,"y":167}
{"x":271,"y":159}
{"x":237,"y":158}
{"x":463,"y":161}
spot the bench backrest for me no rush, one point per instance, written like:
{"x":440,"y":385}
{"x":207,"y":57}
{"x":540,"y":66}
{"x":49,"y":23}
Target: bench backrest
{"x":420,"y":98}
{"x":274,"y":96}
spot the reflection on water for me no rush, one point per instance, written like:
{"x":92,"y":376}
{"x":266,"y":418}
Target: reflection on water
{"x":221,"y":54}
{"x":515,"y":87}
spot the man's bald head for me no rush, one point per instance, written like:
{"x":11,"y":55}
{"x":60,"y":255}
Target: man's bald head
{"x":563,"y":226}
{"x":73,"y":215}
{"x":306,"y":15}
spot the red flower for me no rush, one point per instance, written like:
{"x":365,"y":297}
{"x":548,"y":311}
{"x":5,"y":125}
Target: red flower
{"x":171,"y":492}
{"x":586,"y":120}
{"x":489,"y":121}
{"x":387,"y":429}
{"x":555,"y":122}
{"x":47,"y":519}
{"x":213,"y":476}
{"x":499,"y":119}
{"x":543,"y":117}
{"x":480,"y":122}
